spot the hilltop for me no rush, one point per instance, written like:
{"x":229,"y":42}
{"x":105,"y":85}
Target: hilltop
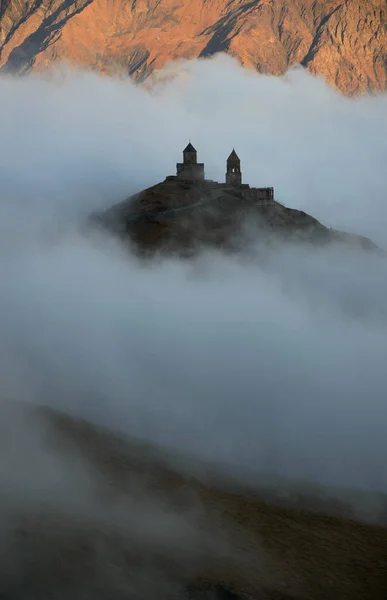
{"x":345,"y":41}
{"x":180,"y":216}
{"x":187,"y":212}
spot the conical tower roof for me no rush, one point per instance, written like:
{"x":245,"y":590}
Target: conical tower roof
{"x":189,"y":148}
{"x":233,"y":156}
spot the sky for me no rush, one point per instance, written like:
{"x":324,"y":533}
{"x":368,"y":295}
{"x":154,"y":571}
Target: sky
{"x":256,"y":367}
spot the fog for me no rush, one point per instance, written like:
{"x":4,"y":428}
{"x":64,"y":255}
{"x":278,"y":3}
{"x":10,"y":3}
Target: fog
{"x":259,"y":367}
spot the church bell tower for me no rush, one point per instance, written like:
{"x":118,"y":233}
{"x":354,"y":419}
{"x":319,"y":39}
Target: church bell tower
{"x":234,"y":174}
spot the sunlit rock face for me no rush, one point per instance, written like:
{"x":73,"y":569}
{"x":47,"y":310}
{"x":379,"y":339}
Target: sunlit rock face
{"x":346,"y":42}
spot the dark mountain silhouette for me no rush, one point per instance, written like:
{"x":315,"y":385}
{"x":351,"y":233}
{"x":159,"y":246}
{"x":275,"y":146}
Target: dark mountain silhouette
{"x":184,"y":216}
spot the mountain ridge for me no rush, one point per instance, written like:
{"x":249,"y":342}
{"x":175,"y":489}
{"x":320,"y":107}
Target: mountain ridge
{"x":345,"y":41}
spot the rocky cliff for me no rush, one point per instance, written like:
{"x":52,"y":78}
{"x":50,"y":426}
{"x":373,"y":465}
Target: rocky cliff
{"x":344,"y":40}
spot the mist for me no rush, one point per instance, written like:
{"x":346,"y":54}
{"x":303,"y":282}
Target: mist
{"x":274,"y":366}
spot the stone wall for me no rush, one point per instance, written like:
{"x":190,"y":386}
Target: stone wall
{"x":261,"y":195}
{"x":190,"y":171}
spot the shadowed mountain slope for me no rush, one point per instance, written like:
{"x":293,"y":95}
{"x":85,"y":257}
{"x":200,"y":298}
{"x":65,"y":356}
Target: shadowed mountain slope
{"x":118,"y":522}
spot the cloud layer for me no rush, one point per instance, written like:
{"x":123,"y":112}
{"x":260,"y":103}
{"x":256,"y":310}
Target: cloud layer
{"x":275,"y":365}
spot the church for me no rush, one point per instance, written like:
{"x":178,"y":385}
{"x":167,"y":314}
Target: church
{"x":191,"y":170}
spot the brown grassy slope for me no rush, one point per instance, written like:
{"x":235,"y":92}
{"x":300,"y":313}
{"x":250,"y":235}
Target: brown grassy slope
{"x":343,"y":40}
{"x":291,"y":551}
